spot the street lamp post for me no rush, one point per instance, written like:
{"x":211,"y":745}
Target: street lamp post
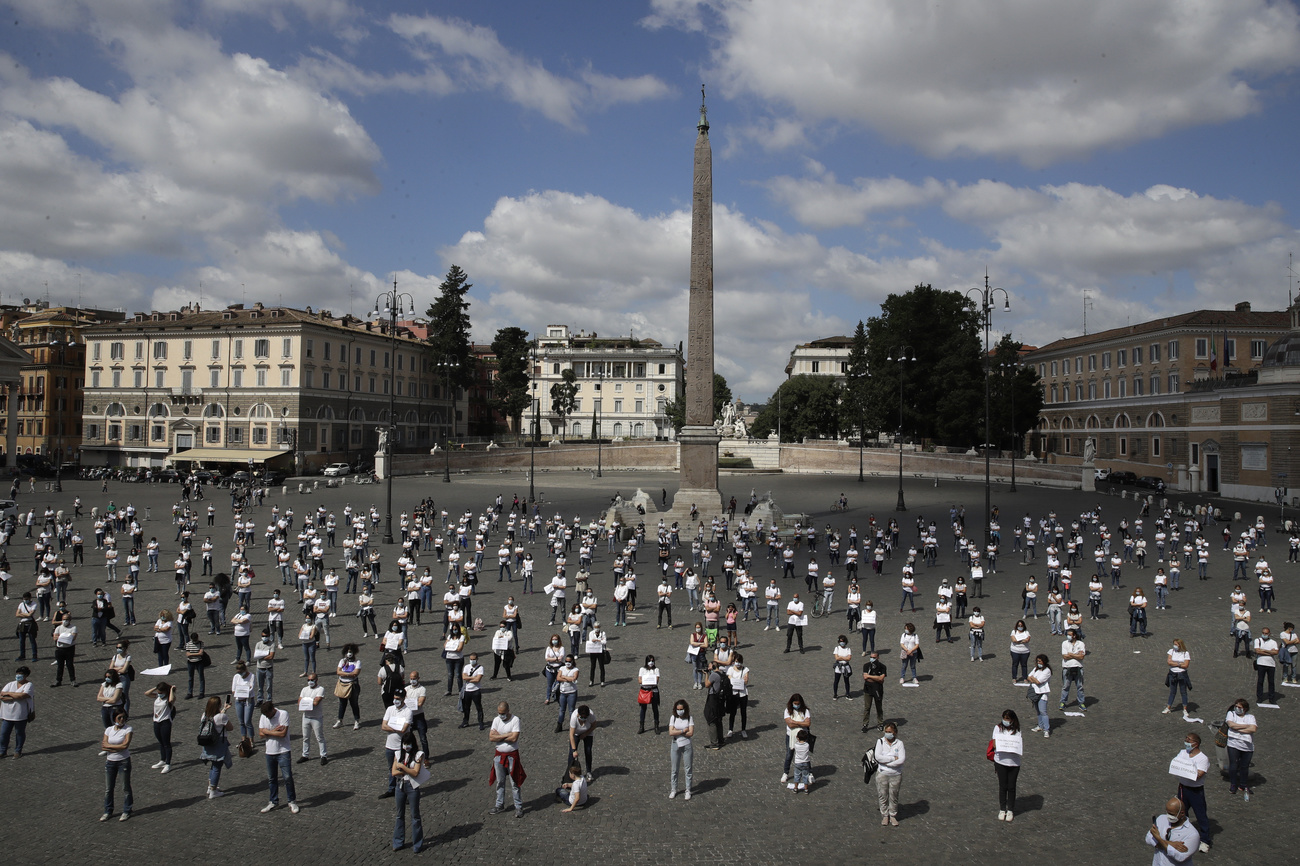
{"x":1013,"y":369}
{"x":900,"y":353}
{"x":448,"y":363}
{"x":532,"y":450}
{"x":395,"y":303}
{"x":57,"y":419}
{"x":596,"y":405}
{"x":984,"y":298}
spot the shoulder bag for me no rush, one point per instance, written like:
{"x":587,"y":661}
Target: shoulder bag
{"x":343,"y":690}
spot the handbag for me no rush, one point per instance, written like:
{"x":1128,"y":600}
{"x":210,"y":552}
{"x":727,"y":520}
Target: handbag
{"x":869,"y":766}
{"x":343,"y":690}
{"x":605,"y":657}
{"x":992,"y":749}
{"x":920,"y":656}
{"x":644,"y":696}
{"x":246,"y":747}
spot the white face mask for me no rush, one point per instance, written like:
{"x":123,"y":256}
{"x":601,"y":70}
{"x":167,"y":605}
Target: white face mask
{"x":681,"y":714}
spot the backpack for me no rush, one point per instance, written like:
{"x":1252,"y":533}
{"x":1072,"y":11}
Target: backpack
{"x":207,"y":732}
{"x":725,"y":691}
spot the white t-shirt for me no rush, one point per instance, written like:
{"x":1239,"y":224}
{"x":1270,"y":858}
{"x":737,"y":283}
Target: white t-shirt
{"x":308,"y":692}
{"x":1040,"y":678}
{"x":1020,"y":648}
{"x":17,"y":710}
{"x":677,"y":728}
{"x":115,"y":737}
{"x":396,"y":717}
{"x":276,"y":745}
{"x":648,"y":677}
{"x":797,"y":716}
{"x":1264,"y":661}
{"x":578,"y":792}
{"x":1239,"y":741}
{"x":505,"y":728}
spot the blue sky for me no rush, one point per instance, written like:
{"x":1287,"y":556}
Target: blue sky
{"x":1139,"y":152}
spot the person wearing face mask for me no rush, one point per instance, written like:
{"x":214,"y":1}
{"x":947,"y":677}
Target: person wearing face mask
{"x":273,"y":728}
{"x":1019,"y":652}
{"x":797,"y":718}
{"x":909,"y":652}
{"x":1266,"y":652}
{"x":738,"y":674}
{"x":216,"y":751}
{"x":567,"y":677}
{"x":1008,"y":746}
{"x":841,"y":668}
{"x":697,"y":655}
{"x":313,"y":721}
{"x":1040,"y":683}
{"x":1192,"y":793}
{"x":597,"y":640}
{"x":471,"y":678}
{"x":415,"y":695}
{"x":582,"y":727}
{"x":1173,"y":836}
{"x":975,"y":623}
{"x":1241,"y":746}
{"x":890,"y":757}
{"x":116,"y":745}
{"x":873,"y":691}
{"x":453,"y":652}
{"x":264,"y":658}
{"x":1179,"y":661}
{"x":506,"y":766}
{"x":16,"y":705}
{"x":648,"y":694}
{"x":347,"y":688}
{"x":795,"y":621}
{"x":554,"y":659}
{"x":503,"y":652}
{"x":681,"y":728}
{"x":396,"y":721}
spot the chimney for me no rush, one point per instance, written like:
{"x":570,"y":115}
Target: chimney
{"x":1243,"y":306}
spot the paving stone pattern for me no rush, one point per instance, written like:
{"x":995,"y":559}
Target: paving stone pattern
{"x":1086,"y":794}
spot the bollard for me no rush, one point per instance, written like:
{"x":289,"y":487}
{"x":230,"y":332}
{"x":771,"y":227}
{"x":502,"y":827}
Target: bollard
{"x":302,"y":488}
{"x":1236,"y":515}
{"x":284,"y":489}
{"x":147,"y":512}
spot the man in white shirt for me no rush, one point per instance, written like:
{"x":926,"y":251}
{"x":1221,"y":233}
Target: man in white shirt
{"x":1193,"y":793}
{"x":397,"y":718}
{"x":273,"y":727}
{"x":309,"y":704}
{"x":582,"y":726}
{"x":506,"y":766}
{"x":471,"y":678}
{"x":1266,"y":650}
{"x":1173,"y":836}
{"x":1073,"y":651}
{"x":795,"y":622}
{"x":16,"y":705}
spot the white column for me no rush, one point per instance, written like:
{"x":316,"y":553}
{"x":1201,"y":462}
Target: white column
{"x":11,"y":428}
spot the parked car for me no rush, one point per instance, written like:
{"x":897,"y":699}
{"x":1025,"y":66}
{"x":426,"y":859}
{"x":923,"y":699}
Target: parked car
{"x":1123,"y":478}
{"x":8,"y":509}
{"x":167,"y":476}
{"x":1150,"y":482}
{"x":337,"y":469}
{"x":1103,"y":474}
{"x":271,"y":478}
{"x":207,"y":476}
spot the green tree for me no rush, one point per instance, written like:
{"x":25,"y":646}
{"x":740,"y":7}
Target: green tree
{"x":676,"y":410}
{"x":855,"y":400}
{"x":449,"y":328}
{"x":564,"y":397}
{"x":808,"y":407}
{"x":943,"y":390}
{"x":1013,"y":385}
{"x":511,"y":392}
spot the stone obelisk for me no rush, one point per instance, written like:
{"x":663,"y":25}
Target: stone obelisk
{"x":698,"y":438}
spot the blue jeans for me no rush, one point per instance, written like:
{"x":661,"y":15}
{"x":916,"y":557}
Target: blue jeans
{"x":802,"y":773}
{"x":909,"y":662}
{"x":679,"y":757}
{"x":503,"y":779}
{"x":309,"y":657}
{"x":1020,"y":661}
{"x":1073,"y":675}
{"x":265,"y":683}
{"x":408,"y":796}
{"x":112,"y":769}
{"x":277,"y":766}
{"x":1239,"y":768}
{"x":1040,"y":705}
{"x":976,"y":646}
{"x":568,"y":703}
{"x":1178,"y":682}
{"x":16,"y":729}
{"x":1162,"y":595}
{"x":244,"y":711}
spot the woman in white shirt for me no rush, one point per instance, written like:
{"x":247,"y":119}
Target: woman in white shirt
{"x":797,"y":718}
{"x":162,"y":637}
{"x":1241,"y":746}
{"x":739,"y":702}
{"x":1019,"y":652}
{"x":553,"y":659}
{"x":842,"y":668}
{"x":975,"y":622}
{"x":394,"y":641}
{"x":366,"y":611}
{"x":943,"y":618}
{"x":348,"y":687}
{"x":216,"y":753}
{"x":1040,"y":679}
{"x":573,"y":622}
{"x":453,"y":650}
{"x":648,"y":696}
{"x":1055,"y":616}
{"x":1137,"y":613}
{"x":164,"y":709}
{"x":890,"y":756}
{"x":1290,"y":647}
{"x":110,"y":697}
{"x":681,"y":727}
{"x":1180,"y":662}
{"x":867,"y":625}
{"x":242,"y":685}
{"x":1008,"y":746}
{"x":909,"y":652}
{"x":116,"y":744}
{"x":697,"y":655}
{"x":121,"y":664}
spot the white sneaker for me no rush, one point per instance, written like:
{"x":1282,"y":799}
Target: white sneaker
{"x":338,"y":724}
{"x":1036,"y":729}
{"x":268,"y":807}
{"x":731,"y":734}
{"x":1165,"y":711}
{"x":167,"y":768}
{"x":1047,"y":734}
{"x":811,"y":779}
{"x":293,"y":807}
{"x":672,"y":795}
{"x":687,"y":795}
{"x":356,"y":726}
{"x":1010,"y":815}
{"x":214,"y":793}
{"x":159,"y":765}
{"x":1002,"y":816}
{"x":785,"y":777}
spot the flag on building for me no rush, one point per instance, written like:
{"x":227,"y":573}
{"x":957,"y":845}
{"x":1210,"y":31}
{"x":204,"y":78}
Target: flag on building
{"x":1214,"y":356}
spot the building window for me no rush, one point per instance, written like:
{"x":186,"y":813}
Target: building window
{"x":662,"y":367}
{"x":214,"y":378}
{"x":1105,"y":360}
{"x":1137,"y":386}
{"x":1123,"y":388}
{"x":1105,"y":389}
{"x":239,"y":348}
{"x":306,"y":379}
{"x":138,"y":376}
{"x":94,"y":378}
{"x":1053,"y":368}
{"x":1137,"y":355}
{"x":1256,"y":350}
{"x":159,"y":378}
{"x":324,"y":377}
{"x":135,"y":432}
{"x":1155,"y":384}
{"x":286,"y":375}
{"x":1121,"y":357}
{"x":372,"y":357}
{"x":236,"y":435}
{"x":640,"y":406}
{"x":117,"y":378}
{"x":187,"y":349}
{"x":287,"y":349}
{"x":385,"y":360}
{"x":1155,"y":353}
{"x":555,"y":369}
{"x":236,"y":378}
{"x":259,"y":435}
{"x":261,"y":348}
{"x":160,"y":351}
{"x":1173,"y":350}
{"x":1196,"y":453}
{"x":94,"y":351}
{"x":261,"y":378}
{"x":1092,"y":391}
{"x":92,"y":431}
{"x":1229,"y":350}
{"x":1202,"y":348}
{"x":1173,"y":383}
{"x":326,"y":347}
{"x":1092,"y":363}
{"x":816,"y":366}
{"x":372,"y":384}
{"x":1123,"y":446}
{"x":157,"y":433}
{"x":214,"y":435}
{"x":216,"y":350}
{"x":1067,"y":388}
{"x":117,"y":351}
{"x":618,"y":405}
{"x":1155,"y":446}
{"x":114,"y":432}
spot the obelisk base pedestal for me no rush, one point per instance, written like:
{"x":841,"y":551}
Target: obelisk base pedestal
{"x":698,"y":459}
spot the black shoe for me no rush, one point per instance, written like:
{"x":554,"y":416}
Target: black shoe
{"x":55,"y":685}
{"x":324,"y":760}
{"x":387,"y":794}
{"x":190,"y":696}
{"x":304,"y":759}
{"x":463,"y":725}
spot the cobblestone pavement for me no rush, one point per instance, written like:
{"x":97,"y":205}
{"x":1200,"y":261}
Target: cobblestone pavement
{"x":1086,"y":794}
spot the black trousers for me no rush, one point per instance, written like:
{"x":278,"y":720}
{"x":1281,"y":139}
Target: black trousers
{"x":64,"y":655}
{"x":474,"y":698}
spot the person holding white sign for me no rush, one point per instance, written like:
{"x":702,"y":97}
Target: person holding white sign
{"x":396,"y":722}
{"x":1191,"y":766}
{"x":1040,"y":681}
{"x":1008,"y":746}
{"x":313,"y":717}
{"x":596,"y":641}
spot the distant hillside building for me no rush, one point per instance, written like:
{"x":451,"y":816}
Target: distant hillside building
{"x":828,"y":356}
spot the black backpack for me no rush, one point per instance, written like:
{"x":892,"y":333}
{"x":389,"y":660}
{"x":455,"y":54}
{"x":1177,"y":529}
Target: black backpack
{"x":207,"y":732}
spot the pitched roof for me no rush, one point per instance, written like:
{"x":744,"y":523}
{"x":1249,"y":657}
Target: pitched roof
{"x":238,"y":315}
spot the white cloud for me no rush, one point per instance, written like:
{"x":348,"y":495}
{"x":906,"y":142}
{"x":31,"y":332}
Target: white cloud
{"x":822,"y":202}
{"x":584,"y":261}
{"x":1039,"y":82}
{"x":473,"y":57}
